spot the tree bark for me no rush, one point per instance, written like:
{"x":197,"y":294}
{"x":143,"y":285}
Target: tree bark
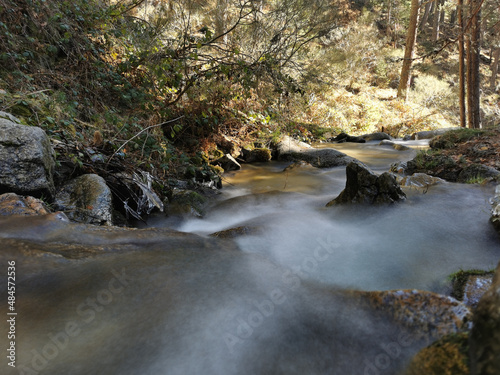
{"x":473,"y":77}
{"x":461,"y":63}
{"x":411,"y":38}
{"x":436,"y":21}
{"x":425,"y":16}
{"x":494,"y":68}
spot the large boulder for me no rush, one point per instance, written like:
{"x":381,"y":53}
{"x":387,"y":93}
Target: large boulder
{"x":289,"y":149}
{"x":86,"y":199}
{"x":27,"y":159}
{"x":364,"y":186}
{"x":485,"y":334}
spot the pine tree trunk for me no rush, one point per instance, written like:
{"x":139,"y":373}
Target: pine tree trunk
{"x":425,"y":17}
{"x":436,"y":18}
{"x":473,"y":77}
{"x":461,"y":63}
{"x":494,"y":68}
{"x":411,"y":39}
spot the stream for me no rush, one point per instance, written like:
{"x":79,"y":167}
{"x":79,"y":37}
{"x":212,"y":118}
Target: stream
{"x":171,"y":299}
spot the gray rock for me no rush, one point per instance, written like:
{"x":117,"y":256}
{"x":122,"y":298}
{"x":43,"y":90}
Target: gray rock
{"x":86,"y":199}
{"x":364,"y":186}
{"x":290,"y":150}
{"x":420,"y":180}
{"x":378,"y":136}
{"x":429,"y":134}
{"x":26,"y":158}
{"x":477,"y":171}
{"x":485,"y":334}
{"x":394,"y":145}
{"x":343,"y":137}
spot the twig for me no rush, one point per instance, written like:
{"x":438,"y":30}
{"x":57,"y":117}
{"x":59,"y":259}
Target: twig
{"x":138,"y":134}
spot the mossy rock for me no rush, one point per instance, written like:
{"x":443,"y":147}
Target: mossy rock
{"x":453,"y":137}
{"x":186,"y":202}
{"x":447,"y":356}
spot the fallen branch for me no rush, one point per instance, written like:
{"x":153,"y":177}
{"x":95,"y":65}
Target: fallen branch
{"x":138,"y":134}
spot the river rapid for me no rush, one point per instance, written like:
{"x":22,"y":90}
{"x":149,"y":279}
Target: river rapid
{"x":171,"y":299}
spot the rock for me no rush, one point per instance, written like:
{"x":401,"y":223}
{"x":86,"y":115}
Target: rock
{"x":288,"y":145}
{"x":13,"y":204}
{"x":495,"y":210}
{"x":429,"y":134}
{"x":237,"y":232}
{"x":394,"y":145}
{"x":477,"y":173}
{"x":400,"y":167}
{"x":228,"y":163}
{"x":470,"y":285}
{"x":86,"y":199}
{"x":27,"y":159}
{"x":475,"y":288}
{"x":186,"y":202}
{"x":485,"y":335}
{"x":420,"y":180}
{"x":290,"y":150}
{"x":448,"y":355}
{"x":378,"y":136}
{"x":297,"y":165}
{"x":364,"y":186}
{"x":343,"y":137}
{"x":432,"y":315}
{"x":257,"y":155}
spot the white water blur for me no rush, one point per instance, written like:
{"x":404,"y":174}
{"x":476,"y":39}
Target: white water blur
{"x":413,"y":244}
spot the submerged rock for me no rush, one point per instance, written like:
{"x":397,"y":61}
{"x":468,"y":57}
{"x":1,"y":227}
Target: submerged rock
{"x":394,"y":145}
{"x":27,"y":159}
{"x":364,"y":186}
{"x":13,"y":204}
{"x":485,"y":334}
{"x":86,"y":199}
{"x":420,"y":180}
{"x":289,"y":149}
{"x":378,"y":136}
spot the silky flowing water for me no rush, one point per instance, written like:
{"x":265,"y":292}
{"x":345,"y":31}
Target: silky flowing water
{"x":275,"y":301}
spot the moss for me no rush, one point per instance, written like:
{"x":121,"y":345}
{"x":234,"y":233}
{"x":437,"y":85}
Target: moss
{"x":453,"y":137}
{"x":448,"y":356}
{"x":459,"y":279}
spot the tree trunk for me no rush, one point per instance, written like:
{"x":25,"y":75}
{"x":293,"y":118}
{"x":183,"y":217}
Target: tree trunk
{"x":494,"y":68}
{"x":436,"y":18}
{"x":461,"y":63}
{"x":473,"y":77}
{"x":427,"y":11}
{"x":411,"y":39}
{"x":221,"y":18}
